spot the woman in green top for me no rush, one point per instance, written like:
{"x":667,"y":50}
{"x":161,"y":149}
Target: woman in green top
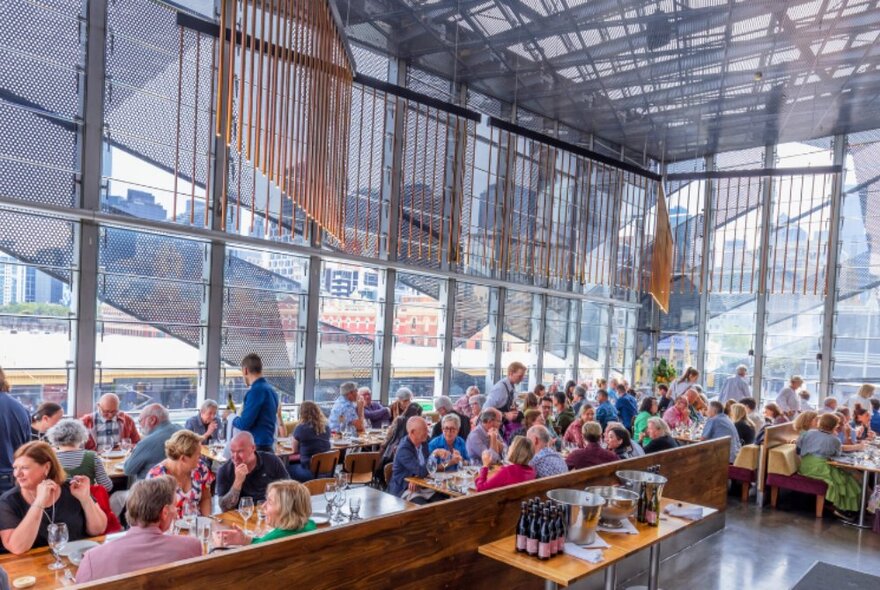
{"x":288,"y":508}
{"x":649,"y":408}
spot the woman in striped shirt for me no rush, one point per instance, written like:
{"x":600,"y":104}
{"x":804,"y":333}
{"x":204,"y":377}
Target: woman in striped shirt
{"x":68,"y":437}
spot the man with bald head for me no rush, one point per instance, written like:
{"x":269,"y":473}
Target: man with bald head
{"x":411,"y":460}
{"x":248,"y":474}
{"x":107,"y":425}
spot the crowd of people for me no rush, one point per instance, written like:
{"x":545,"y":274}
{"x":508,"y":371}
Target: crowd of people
{"x":50,"y":471}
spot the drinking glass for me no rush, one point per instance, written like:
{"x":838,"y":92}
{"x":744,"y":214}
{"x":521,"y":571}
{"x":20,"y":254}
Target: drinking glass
{"x":330,"y":496}
{"x":246,"y":509}
{"x":125,"y":444}
{"x":57,"y":543}
{"x":432,"y":467}
{"x":340,"y":502}
{"x":261,"y":518}
{"x":204,"y":534}
{"x":106,"y":448}
{"x":354,"y":505}
{"x":343,"y":480}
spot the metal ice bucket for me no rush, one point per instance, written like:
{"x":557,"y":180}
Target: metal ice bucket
{"x":638,"y":480}
{"x":620,"y":504}
{"x":582,"y":511}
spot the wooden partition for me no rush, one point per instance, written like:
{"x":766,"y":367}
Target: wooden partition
{"x":433,"y":546}
{"x":773,"y":437}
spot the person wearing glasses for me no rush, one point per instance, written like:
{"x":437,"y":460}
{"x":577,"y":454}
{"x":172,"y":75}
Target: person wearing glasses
{"x":107,"y":425}
{"x":450,"y":442}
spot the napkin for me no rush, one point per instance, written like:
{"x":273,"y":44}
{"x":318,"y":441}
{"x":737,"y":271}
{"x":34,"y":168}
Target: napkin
{"x":686,"y":512}
{"x":588,"y":555}
{"x":627,"y":529}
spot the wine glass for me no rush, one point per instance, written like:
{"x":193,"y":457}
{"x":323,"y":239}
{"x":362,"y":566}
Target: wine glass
{"x":246,"y":510}
{"x":204,"y":534}
{"x":106,"y":447}
{"x":432,"y":467}
{"x":261,"y":518}
{"x":354,"y":505}
{"x":340,"y":502}
{"x":57,"y":542}
{"x":330,"y":496}
{"x":343,"y":480}
{"x":125,"y":445}
{"x":190,"y":517}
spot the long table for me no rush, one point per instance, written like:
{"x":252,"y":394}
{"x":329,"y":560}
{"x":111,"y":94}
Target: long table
{"x":564,"y":569}
{"x":865,"y":468}
{"x":36,"y":561}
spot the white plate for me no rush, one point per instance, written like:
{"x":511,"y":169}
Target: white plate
{"x":341,"y":441}
{"x":78,"y":547}
{"x":182,"y":524}
{"x":320,"y":518}
{"x":114,"y":454}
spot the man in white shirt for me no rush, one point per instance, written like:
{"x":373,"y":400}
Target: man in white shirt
{"x":862,"y":398}
{"x":736,"y":387}
{"x":788,"y":399}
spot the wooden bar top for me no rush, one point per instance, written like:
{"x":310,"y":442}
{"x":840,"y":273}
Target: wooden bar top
{"x":565,"y":569}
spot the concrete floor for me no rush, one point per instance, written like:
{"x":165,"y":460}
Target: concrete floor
{"x":766,"y":549}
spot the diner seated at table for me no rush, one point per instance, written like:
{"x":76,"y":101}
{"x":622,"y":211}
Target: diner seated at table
{"x":546,"y":407}
{"x":348,"y":409}
{"x":487,"y":436}
{"x":444,"y":407}
{"x":617,"y":439}
{"x":68,"y":438}
{"x":108,"y":425}
{"x":206,"y":423}
{"x":862,"y":422}
{"x":755,"y":419}
{"x":816,"y":448}
{"x":183,"y":452}
{"x":739,"y":415}
{"x":578,"y":399}
{"x":605,"y":411}
{"x":310,"y":437}
{"x":720,"y":425}
{"x":47,"y":415}
{"x":248,"y":474}
{"x":660,"y":437}
{"x":648,"y":408}
{"x":530,"y":418}
{"x":157,"y":427}
{"x":875,"y":415}
{"x":288,"y":511}
{"x":150,"y":509}
{"x":573,"y":435}
{"x":829,"y":405}
{"x":592,"y":453}
{"x":43,"y":497}
{"x":698,"y":404}
{"x":403,"y":399}
{"x":463,"y":404}
{"x":564,"y":414}
{"x":411,"y":460}
{"x":547,"y":461}
{"x":678,"y":415}
{"x":805,"y":421}
{"x":845,"y":432}
{"x":517,"y":469}
{"x":773,"y":414}
{"x":476,"y":403}
{"x":375,"y":414}
{"x":450,"y":441}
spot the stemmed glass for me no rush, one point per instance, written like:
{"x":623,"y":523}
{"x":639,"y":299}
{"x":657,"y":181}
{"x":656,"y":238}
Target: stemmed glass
{"x":246,"y":509}
{"x":106,"y":448}
{"x":354,"y":505}
{"x":432,"y":467}
{"x":340,"y":502}
{"x":57,"y":542}
{"x":343,"y":480}
{"x":261,"y":518}
{"x":330,"y":495}
{"x":125,"y":445}
{"x":190,"y":516}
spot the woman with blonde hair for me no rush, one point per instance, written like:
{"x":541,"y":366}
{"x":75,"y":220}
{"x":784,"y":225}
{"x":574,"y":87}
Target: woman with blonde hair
{"x":520,"y":454}
{"x":183,"y":452}
{"x":806,"y":421}
{"x":288,"y":511}
{"x":310,"y":437}
{"x":815,"y":448}
{"x":43,"y":498}
{"x":739,"y":415}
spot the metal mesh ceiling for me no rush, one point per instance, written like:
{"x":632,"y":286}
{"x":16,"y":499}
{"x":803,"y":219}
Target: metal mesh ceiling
{"x":674,"y":79}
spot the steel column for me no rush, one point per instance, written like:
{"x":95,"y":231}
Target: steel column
{"x":85,"y":290}
{"x":761,"y":303}
{"x":497,"y":332}
{"x":826,"y":385}
{"x":310,"y":346}
{"x":706,"y":265}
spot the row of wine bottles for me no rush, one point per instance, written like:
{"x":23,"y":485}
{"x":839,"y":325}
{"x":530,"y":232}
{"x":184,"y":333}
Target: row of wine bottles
{"x":540,"y":531}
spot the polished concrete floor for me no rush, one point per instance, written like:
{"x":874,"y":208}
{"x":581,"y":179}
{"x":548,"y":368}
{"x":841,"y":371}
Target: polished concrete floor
{"x":766,"y":549}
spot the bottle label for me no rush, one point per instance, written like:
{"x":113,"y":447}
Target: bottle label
{"x":521,"y":542}
{"x":560,"y":544}
{"x":532,"y":546}
{"x":544,"y":550}
{"x":651,"y":517}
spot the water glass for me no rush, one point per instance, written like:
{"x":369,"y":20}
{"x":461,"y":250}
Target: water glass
{"x":57,"y":542}
{"x":204,"y":534}
{"x":354,"y":505}
{"x":106,"y":448}
{"x":330,"y":496}
{"x":246,"y":510}
{"x":432,"y":467}
{"x":125,"y":444}
{"x":340,"y":502}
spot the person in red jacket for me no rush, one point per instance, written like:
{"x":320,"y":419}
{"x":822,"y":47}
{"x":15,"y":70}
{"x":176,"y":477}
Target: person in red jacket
{"x":108,"y":426}
{"x":519,"y":455}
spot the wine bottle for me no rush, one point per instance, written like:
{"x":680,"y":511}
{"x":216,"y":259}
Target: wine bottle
{"x":544,"y":540}
{"x":522,"y":529}
{"x":230,"y":404}
{"x":652,"y":513}
{"x":534,"y":533}
{"x":643,"y":504}
{"x":561,"y":528}
{"x":554,"y":533}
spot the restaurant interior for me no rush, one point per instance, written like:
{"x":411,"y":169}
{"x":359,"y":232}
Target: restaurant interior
{"x":440,"y":294}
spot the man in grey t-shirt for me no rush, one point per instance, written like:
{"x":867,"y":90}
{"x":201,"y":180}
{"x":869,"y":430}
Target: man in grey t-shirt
{"x":719,"y":425}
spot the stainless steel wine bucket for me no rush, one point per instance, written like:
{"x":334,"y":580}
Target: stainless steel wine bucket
{"x":582,"y":511}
